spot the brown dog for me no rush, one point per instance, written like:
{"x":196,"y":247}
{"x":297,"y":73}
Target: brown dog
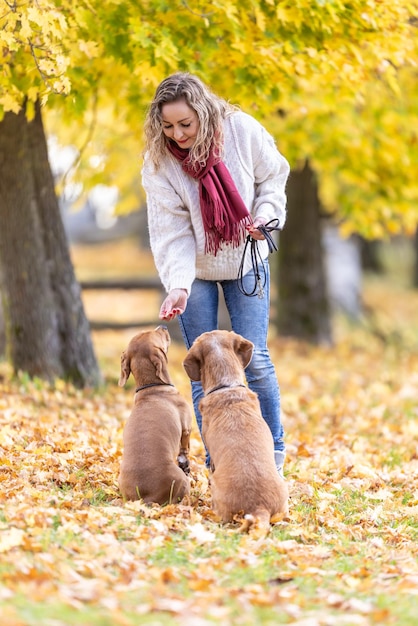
{"x":244,"y":479}
{"x":157,"y":433}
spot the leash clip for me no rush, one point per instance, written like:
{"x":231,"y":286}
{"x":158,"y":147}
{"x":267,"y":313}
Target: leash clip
{"x":260,"y":289}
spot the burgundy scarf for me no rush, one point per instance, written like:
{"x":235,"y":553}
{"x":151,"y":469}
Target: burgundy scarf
{"x":224,"y":213}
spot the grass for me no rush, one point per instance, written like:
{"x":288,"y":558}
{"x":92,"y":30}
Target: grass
{"x":73,"y":553}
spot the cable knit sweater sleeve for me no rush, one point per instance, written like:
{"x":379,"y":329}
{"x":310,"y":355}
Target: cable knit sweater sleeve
{"x":171,"y":234}
{"x":261,"y":159}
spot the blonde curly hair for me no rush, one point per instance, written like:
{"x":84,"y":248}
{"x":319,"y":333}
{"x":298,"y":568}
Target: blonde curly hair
{"x":211,"y":110}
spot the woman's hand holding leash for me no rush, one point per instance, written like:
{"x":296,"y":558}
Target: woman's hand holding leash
{"x":258,"y":231}
{"x":253,"y":228}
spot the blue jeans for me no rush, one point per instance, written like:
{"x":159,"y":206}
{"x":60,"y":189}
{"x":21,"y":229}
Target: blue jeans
{"x":249,"y":318}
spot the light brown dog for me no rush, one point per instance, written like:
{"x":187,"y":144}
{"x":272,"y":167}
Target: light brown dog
{"x":157,"y":434}
{"x":244,"y":478}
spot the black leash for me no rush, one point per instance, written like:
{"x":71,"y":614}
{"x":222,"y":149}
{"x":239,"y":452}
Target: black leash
{"x":260,"y":276}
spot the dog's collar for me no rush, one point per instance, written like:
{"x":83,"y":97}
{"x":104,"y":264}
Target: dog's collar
{"x":223,"y":387}
{"x":153,"y":385}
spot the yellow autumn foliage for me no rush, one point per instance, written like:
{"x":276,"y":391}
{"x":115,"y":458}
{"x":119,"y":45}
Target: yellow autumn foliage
{"x":342,"y":76}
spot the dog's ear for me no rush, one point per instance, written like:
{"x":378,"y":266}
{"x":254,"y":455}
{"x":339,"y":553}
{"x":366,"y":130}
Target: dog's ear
{"x":125,"y":368}
{"x":159,"y":361}
{"x":192,"y":365}
{"x":244,"y":350}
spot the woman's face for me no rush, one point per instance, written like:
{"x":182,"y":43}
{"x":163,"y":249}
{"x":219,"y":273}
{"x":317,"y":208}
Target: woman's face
{"x":180,"y":123}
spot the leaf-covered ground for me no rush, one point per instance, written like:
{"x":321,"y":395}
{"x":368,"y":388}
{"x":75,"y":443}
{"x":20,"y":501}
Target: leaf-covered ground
{"x":72,"y":553}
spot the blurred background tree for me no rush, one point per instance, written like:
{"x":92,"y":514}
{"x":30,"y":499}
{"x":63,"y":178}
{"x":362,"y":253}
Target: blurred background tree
{"x":334,"y":82}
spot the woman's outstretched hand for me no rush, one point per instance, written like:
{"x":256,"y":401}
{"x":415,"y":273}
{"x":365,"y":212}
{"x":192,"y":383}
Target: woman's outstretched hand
{"x":174,"y":304}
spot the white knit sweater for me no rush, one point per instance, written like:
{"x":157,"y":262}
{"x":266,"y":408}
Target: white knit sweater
{"x":175,"y":223}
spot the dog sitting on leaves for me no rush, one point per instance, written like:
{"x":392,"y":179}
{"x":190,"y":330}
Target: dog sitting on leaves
{"x":244,"y":479}
{"x":156,"y":437}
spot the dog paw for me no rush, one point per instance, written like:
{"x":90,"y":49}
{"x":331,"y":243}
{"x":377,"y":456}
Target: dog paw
{"x":183,"y":463}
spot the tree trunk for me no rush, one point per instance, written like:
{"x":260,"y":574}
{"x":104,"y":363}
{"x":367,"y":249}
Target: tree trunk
{"x":2,"y":333}
{"x":370,"y":255}
{"x":415,"y":270}
{"x":47,"y":333}
{"x":303,"y":308}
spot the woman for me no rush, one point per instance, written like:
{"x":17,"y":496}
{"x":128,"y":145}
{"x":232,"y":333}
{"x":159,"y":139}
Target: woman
{"x":212,"y":174}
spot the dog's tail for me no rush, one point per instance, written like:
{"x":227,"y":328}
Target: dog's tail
{"x":256,"y":524}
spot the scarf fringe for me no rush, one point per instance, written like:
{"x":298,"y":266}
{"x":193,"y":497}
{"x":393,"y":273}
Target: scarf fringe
{"x":214,"y":242}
